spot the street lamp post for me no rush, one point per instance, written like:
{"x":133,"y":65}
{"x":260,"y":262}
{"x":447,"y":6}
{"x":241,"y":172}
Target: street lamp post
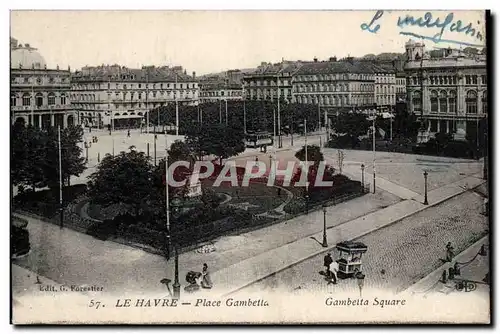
{"x":86,"y":152}
{"x":176,"y":287}
{"x":154,"y":143}
{"x":363,"y":178}
{"x":425,"y":188}
{"x":61,"y":217}
{"x":307,"y":167}
{"x":361,"y":282}
{"x":485,"y":150}
{"x":325,"y":242}
{"x":374,"y":151}
{"x":226,"y":110}
{"x":279,"y":113}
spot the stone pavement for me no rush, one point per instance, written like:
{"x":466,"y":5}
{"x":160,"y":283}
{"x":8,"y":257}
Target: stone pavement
{"x":473,"y":267}
{"x":244,"y":273}
{"x":398,"y":255}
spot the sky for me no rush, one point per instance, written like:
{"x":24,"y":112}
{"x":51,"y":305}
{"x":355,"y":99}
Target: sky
{"x":214,"y":41}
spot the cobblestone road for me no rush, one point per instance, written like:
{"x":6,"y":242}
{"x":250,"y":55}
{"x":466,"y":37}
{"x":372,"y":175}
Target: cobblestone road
{"x":406,"y":251}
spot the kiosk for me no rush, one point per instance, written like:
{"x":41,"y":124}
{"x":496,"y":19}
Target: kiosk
{"x":349,"y":261}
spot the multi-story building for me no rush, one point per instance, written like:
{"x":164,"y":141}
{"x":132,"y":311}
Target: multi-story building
{"x":215,"y":91}
{"x":400,"y":87}
{"x":226,"y":86}
{"x":269,"y":81}
{"x":38,"y":95}
{"x":385,"y":87}
{"x":119,"y":97}
{"x":449,"y":92}
{"x":339,"y":85}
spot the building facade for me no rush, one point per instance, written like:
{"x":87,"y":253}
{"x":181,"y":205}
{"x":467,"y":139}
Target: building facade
{"x":227,"y":86}
{"x":400,"y":87}
{"x":271,"y":81}
{"x":219,"y":91}
{"x":449,"y":92}
{"x":121,"y":97}
{"x":385,"y":87}
{"x":38,"y":95}
{"x":333,"y":84}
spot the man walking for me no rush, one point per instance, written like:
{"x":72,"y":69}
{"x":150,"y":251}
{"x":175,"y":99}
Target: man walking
{"x":334,"y":268}
{"x":326,"y":262}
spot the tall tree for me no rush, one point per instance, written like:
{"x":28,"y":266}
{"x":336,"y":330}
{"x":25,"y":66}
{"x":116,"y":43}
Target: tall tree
{"x":35,"y":156}
{"x":125,"y":178}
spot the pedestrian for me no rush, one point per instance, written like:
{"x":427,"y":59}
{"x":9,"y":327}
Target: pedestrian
{"x":128,"y":133}
{"x":279,"y":192}
{"x":256,"y":161}
{"x":206,"y":282}
{"x":449,"y":252}
{"x":334,"y":268}
{"x":326,"y":262}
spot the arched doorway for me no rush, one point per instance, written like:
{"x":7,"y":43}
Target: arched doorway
{"x":70,"y":120}
{"x":20,"y":121}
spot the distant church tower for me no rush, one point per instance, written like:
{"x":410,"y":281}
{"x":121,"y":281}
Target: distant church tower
{"x":414,"y":50}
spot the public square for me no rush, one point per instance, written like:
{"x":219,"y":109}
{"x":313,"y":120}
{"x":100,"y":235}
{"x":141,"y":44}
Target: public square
{"x":122,"y":267}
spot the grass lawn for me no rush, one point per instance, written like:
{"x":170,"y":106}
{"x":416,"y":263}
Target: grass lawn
{"x":259,"y":194}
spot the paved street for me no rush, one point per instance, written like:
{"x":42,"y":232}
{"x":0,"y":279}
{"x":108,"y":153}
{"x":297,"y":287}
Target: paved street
{"x":405,"y":251}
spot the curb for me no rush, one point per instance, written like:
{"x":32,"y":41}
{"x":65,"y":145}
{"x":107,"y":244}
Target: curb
{"x":323,"y":250}
{"x":446,"y":265}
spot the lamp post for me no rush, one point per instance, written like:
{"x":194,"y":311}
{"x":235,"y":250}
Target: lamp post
{"x":307,"y":167}
{"x":374,"y":151}
{"x":363,"y":178}
{"x":360,"y":277}
{"x":86,"y":152}
{"x":425,"y":188}
{"x":176,"y":205}
{"x":226,"y":110}
{"x":485,"y":149}
{"x":325,"y":242}
{"x":154,"y":144}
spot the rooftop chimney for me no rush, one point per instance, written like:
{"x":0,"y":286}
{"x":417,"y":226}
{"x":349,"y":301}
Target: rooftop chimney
{"x":334,"y":58}
{"x":194,"y":75}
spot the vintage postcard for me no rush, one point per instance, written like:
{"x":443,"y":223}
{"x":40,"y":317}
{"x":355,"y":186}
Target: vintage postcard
{"x":250,"y":167}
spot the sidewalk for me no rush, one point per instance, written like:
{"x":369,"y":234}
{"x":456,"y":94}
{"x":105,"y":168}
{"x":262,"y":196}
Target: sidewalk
{"x":473,"y":267}
{"x":244,"y":273}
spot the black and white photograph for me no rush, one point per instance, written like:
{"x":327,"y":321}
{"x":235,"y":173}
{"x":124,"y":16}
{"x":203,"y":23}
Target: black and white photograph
{"x":250,"y":167}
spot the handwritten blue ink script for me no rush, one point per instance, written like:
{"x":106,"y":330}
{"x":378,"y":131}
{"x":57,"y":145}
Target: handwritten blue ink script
{"x":441,"y":25}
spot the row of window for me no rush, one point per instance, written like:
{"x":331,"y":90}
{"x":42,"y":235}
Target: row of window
{"x":327,"y":88}
{"x":446,"y":80}
{"x":386,"y":100}
{"x":472,"y":80}
{"x":447,"y":102}
{"x":386,"y":80}
{"x":337,"y":76}
{"x":39,"y":99}
{"x":332,"y":100}
{"x":125,"y":95}
{"x":222,"y":93}
{"x":384,"y":90}
{"x":38,"y":80}
{"x":268,"y":83}
{"x":120,"y":106}
{"x":97,"y":86}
